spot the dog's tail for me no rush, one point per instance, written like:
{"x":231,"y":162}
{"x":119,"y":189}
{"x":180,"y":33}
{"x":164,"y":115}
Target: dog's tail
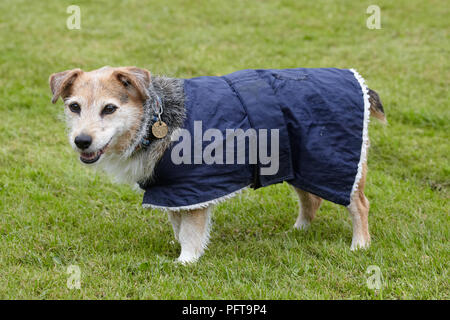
{"x":376,"y":108}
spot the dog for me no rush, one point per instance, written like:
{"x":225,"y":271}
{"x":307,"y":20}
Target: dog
{"x":126,"y":121}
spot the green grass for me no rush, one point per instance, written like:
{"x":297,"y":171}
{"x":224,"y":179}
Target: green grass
{"x":54,"y":212}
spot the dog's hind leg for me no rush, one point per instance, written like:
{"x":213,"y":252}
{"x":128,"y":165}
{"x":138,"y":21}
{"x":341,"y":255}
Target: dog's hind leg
{"x":359,"y":211}
{"x":309,"y":204}
{"x":193,"y":233}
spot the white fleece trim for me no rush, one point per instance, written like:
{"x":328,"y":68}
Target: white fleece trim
{"x":195,"y":206}
{"x":365,"y":134}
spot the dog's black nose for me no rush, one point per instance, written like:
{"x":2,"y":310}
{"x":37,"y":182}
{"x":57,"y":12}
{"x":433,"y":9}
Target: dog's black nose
{"x":83,"y":141}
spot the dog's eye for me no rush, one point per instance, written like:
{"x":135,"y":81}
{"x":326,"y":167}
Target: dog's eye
{"x":75,"y":107}
{"x":108,"y":109}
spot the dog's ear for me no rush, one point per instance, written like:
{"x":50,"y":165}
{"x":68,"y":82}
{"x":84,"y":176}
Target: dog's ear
{"x":135,"y":77}
{"x":60,"y":82}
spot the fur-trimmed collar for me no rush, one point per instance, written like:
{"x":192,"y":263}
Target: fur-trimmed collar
{"x":134,"y":165}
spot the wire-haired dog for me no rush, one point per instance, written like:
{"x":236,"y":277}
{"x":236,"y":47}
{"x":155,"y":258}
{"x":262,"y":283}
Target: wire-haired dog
{"x":314,"y":122}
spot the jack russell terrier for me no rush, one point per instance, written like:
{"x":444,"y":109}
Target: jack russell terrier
{"x":192,"y":143}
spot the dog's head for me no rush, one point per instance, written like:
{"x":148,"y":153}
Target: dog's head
{"x":104,"y":108}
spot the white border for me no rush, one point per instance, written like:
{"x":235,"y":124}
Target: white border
{"x":365,"y":134}
{"x":195,"y":206}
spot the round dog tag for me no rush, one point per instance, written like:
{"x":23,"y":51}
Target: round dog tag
{"x":159,"y":129}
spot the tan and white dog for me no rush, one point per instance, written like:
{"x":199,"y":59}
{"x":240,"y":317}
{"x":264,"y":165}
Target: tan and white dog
{"x":104,"y":112}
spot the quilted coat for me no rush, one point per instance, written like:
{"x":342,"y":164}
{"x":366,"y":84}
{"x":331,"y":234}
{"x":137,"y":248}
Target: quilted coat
{"x":319,"y":117}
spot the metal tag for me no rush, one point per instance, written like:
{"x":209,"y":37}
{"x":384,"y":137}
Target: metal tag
{"x":159,"y":129}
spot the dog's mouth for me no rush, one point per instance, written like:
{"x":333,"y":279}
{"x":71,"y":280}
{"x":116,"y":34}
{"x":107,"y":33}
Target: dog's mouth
{"x":91,"y":157}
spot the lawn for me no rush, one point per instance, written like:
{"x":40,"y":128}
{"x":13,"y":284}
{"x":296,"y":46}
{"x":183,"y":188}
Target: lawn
{"x":55,"y":213}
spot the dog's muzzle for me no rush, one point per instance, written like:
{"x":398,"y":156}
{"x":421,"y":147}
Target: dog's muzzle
{"x":91,"y":157}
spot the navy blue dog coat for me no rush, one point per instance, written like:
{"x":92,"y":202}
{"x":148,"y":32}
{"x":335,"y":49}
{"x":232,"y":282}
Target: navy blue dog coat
{"x":320,"y":117}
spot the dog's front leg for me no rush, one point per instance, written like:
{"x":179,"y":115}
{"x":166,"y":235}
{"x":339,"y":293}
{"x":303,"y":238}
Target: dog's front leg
{"x":175,"y":219}
{"x":191,"y":229}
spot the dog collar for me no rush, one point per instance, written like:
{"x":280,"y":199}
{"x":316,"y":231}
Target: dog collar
{"x":149,"y":137}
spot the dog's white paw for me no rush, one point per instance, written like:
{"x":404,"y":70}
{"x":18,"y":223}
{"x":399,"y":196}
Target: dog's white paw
{"x":302,"y":224}
{"x":188,"y":257}
{"x":359,"y":244}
